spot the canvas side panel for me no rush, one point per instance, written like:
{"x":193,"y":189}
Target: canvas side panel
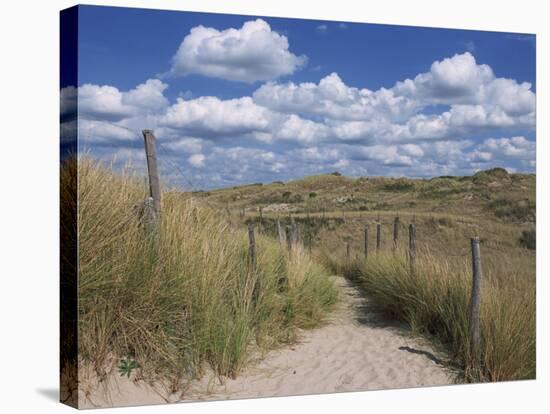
{"x":68,"y":207}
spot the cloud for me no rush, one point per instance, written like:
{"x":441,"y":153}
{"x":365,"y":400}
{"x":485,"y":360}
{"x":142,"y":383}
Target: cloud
{"x":212,"y":117}
{"x":460,"y":80}
{"x":452,"y":80}
{"x":186,"y":145}
{"x":92,"y":131}
{"x":249,"y":54}
{"x":68,"y":101}
{"x":301,"y":130}
{"x":322,"y":28}
{"x":332,"y":98}
{"x":109,"y":103}
{"x":518,"y":148}
{"x":197,"y":160}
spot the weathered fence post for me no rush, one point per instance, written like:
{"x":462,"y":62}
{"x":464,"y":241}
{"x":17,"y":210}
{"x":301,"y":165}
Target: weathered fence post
{"x":252,"y":260}
{"x":475,"y":301}
{"x":366,"y":241}
{"x":228,"y":211}
{"x":148,"y":216}
{"x":395,"y":231}
{"x":154,"y":179}
{"x":347,"y":251}
{"x":280,"y":232}
{"x":251,"y":248}
{"x":289,"y":238}
{"x":378,"y":235}
{"x":412,"y":247}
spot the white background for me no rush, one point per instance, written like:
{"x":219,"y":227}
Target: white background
{"x":29,"y":221}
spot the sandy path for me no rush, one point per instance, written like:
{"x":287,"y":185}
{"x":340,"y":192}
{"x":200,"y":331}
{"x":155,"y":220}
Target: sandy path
{"x":357,"y":350}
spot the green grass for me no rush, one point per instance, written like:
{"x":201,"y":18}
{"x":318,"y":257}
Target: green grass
{"x":183,"y":301}
{"x":434,"y":301}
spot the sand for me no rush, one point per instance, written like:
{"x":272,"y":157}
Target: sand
{"x":356,"y":351}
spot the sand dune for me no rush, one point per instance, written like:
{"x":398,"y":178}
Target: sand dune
{"x":357,"y":350}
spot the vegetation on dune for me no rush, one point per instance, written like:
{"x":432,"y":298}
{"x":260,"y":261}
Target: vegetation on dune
{"x":434,"y":300}
{"x":513,"y":210}
{"x":478,"y":194}
{"x":528,"y":239}
{"x":184,"y":300}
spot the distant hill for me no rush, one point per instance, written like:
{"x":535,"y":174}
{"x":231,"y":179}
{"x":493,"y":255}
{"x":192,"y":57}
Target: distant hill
{"x":491,"y":193}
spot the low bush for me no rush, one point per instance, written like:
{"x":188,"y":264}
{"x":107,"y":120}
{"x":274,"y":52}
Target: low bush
{"x":528,"y":239}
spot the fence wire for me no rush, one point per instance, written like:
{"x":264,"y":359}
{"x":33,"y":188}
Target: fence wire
{"x":175,"y":168}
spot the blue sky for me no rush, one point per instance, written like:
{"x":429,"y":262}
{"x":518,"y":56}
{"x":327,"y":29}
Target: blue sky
{"x":237,"y":99}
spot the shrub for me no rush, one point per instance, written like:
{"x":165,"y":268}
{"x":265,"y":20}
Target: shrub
{"x":514,"y":210}
{"x":398,"y":185}
{"x":528,"y":239}
{"x":312,"y":194}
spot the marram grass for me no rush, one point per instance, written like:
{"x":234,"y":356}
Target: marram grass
{"x":183,"y":302}
{"x":434,"y":301}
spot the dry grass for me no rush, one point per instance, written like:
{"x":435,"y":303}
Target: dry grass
{"x":183,"y":301}
{"x":434,"y":301}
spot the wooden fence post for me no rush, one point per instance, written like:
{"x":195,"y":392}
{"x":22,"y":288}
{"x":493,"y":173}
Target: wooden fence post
{"x":280,"y":232}
{"x":395,"y":231}
{"x":154,"y":179}
{"x":228,"y":211}
{"x":289,"y":238}
{"x":366,"y":241}
{"x":252,"y":260}
{"x":412,"y":247}
{"x":148,"y":215}
{"x":475,"y":301}
{"x":251,"y":248}
{"x":378,"y":235}
{"x":347,"y":251}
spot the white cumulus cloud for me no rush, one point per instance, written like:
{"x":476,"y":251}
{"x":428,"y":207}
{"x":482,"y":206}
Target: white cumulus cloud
{"x":197,"y":160}
{"x":210,"y":116}
{"x":105,"y":102}
{"x":249,"y":54}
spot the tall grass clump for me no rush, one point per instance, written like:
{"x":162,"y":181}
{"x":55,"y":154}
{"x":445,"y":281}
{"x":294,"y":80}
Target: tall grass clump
{"x":182,"y":299}
{"x":434,"y":300}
